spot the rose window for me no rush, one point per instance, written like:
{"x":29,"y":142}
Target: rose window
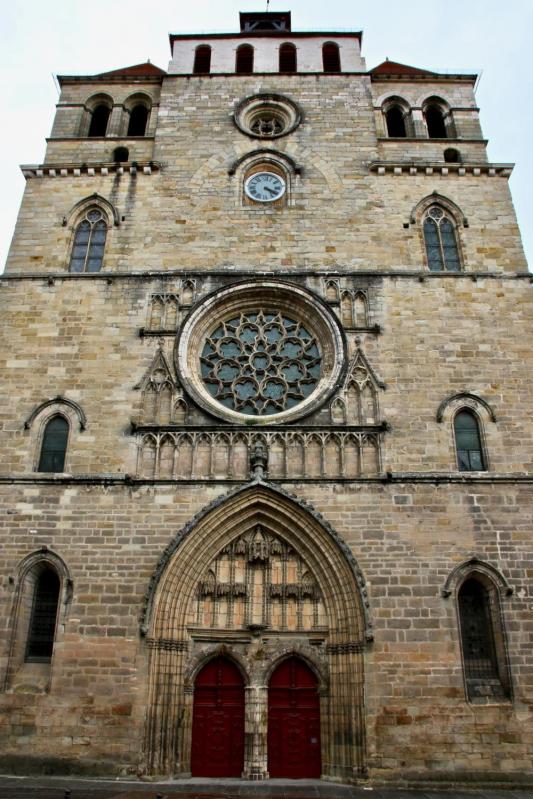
{"x":260,"y":363}
{"x":267,"y":116}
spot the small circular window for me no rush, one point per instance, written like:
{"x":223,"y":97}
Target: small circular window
{"x":267,"y":116}
{"x":261,"y":350}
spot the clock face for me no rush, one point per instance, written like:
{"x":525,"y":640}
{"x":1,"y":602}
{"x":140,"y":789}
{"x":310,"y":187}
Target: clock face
{"x":265,"y":187}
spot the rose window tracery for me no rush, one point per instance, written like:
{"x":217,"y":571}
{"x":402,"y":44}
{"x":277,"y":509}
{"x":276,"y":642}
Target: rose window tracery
{"x":260,"y":362}
{"x":266,"y":125}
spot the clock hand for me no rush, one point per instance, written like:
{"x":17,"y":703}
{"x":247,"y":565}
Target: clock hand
{"x":267,"y":188}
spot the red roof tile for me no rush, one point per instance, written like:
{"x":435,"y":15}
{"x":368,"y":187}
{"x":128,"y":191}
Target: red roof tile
{"x":146,"y":69}
{"x":394,"y":68}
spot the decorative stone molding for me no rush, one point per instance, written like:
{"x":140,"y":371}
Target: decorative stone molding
{"x":267,"y":116}
{"x":465,"y":399}
{"x":440,"y":168}
{"x":321,"y":454}
{"x":471,"y":567}
{"x":58,"y":405}
{"x":245,"y":538}
{"x":89,"y":170}
{"x":267,"y":297}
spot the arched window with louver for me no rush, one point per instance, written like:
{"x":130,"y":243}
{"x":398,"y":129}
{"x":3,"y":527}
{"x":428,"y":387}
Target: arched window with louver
{"x":202,"y":60}
{"x":287,"y":57}
{"x":244,"y":61}
{"x":331,"y":59}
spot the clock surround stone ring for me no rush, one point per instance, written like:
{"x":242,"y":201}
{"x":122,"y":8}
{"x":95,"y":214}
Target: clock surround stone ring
{"x":261,"y":352}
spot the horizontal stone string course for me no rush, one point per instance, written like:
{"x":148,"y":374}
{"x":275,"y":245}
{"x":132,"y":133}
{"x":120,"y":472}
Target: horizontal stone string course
{"x":320,"y":454}
{"x":421,"y":168}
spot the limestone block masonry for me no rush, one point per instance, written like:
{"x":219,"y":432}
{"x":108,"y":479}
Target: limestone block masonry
{"x":276,"y":434}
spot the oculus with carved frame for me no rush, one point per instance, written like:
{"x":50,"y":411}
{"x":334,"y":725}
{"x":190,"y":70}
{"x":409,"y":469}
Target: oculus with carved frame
{"x":267,"y":116}
{"x":260,"y":352}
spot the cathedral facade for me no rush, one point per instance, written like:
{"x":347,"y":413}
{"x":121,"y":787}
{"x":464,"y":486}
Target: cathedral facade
{"x":266,"y":484}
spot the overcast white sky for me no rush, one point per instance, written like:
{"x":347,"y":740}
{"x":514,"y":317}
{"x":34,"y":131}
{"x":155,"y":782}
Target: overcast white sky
{"x":39,"y":39}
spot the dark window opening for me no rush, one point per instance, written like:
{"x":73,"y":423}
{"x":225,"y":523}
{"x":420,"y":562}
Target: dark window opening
{"x":435,"y":122}
{"x":202,"y":60}
{"x":99,"y":120}
{"x":481,"y":667}
{"x":331,"y":59}
{"x":396,"y":122}
{"x":244,"y":64}
{"x":468,"y":442}
{"x":120,"y":154}
{"x":89,"y":243}
{"x":54,"y":446}
{"x":43,"y":617}
{"x":452,"y":156}
{"x":441,"y":243}
{"x":287,"y":58}
{"x":138,"y":121}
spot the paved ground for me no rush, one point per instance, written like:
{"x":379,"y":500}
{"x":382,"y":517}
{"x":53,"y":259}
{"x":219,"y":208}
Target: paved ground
{"x":73,"y":788}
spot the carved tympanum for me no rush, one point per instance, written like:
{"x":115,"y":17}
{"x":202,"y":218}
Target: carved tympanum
{"x":259,"y":580}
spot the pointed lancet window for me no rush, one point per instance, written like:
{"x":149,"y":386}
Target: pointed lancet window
{"x":468,"y":442}
{"x":441,"y":241}
{"x":54,"y":445}
{"x":89,"y":243}
{"x":42,"y":626}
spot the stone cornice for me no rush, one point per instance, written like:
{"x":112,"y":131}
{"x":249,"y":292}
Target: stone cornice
{"x":437,"y":478}
{"x":89,"y":170}
{"x":245,"y":272}
{"x":439,"y":168}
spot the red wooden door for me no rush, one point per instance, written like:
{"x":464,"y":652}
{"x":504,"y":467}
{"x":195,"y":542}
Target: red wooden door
{"x":293,"y":722}
{"x":218,"y":721}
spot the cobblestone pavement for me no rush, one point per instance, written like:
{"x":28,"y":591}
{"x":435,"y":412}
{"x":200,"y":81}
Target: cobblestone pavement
{"x":75,"y":788}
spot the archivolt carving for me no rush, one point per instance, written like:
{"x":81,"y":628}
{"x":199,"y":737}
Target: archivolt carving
{"x":471,"y":567}
{"x":467,"y":400}
{"x":252,"y":577}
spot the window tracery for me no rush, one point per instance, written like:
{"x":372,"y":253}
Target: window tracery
{"x":440,"y":240}
{"x":260,"y":363}
{"x":89,"y":242}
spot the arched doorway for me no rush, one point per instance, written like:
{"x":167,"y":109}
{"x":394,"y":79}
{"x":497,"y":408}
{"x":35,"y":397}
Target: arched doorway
{"x":257,"y":574}
{"x":218,"y":721}
{"x":293,"y":722}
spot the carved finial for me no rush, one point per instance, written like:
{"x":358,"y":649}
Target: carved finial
{"x":259,"y":460}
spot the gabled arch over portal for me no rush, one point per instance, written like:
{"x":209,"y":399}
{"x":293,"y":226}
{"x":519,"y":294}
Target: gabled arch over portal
{"x":239,"y":542}
{"x":232,"y":514}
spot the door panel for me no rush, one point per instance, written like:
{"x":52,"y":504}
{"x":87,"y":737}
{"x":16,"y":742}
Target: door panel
{"x":218,"y":721}
{"x":293,"y":722}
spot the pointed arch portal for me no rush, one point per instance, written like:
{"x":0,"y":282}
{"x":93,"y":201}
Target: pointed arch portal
{"x":258,"y":586}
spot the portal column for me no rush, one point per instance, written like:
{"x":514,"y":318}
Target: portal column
{"x":255,"y":733}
